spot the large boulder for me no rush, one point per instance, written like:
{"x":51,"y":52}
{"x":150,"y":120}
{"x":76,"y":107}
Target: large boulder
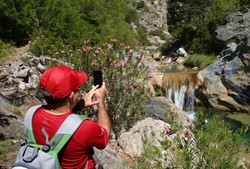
{"x":148,"y":131}
{"x":238,"y":26}
{"x":225,"y":84}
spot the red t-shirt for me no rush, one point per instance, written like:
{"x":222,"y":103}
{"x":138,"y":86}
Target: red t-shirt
{"x":79,"y":149}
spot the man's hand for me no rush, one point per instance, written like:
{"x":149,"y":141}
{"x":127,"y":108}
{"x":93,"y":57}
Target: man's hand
{"x":101,"y":93}
{"x":88,"y":97}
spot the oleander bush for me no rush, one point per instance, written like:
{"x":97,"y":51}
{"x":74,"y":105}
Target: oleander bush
{"x":123,"y":69}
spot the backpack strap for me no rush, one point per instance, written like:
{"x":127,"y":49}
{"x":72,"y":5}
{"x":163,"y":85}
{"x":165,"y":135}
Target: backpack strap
{"x":28,"y":130}
{"x":63,"y":134}
{"x":65,"y":131}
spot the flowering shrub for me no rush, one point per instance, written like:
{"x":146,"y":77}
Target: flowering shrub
{"x":206,"y":144}
{"x":124,"y":73}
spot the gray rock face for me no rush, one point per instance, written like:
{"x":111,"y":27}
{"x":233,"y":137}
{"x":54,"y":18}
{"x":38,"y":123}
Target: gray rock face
{"x":225,"y":84}
{"x":10,"y":122}
{"x":238,"y":27}
{"x":19,"y":79}
{"x":154,"y":15}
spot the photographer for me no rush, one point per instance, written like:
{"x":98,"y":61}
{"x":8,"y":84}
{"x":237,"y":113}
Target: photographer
{"x":59,"y":86}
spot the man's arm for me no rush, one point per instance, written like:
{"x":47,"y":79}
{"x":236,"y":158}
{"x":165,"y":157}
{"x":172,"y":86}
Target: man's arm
{"x":102,"y":117}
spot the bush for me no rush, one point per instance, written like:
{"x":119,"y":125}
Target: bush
{"x":124,"y":73}
{"x":200,"y":60}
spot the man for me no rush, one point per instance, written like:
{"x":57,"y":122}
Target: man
{"x":59,"y":85}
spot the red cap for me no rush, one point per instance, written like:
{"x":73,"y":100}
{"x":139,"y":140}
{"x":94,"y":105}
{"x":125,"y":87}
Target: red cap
{"x":60,"y":81}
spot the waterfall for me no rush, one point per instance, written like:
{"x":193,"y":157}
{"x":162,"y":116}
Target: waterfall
{"x":180,"y":89}
{"x":183,"y":99}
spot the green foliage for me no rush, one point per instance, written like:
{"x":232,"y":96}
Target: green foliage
{"x":150,"y":152}
{"x":140,"y":5}
{"x":5,"y":144}
{"x":200,"y":145}
{"x":192,"y":23}
{"x":69,"y":21}
{"x":182,"y":36}
{"x":221,"y":147}
{"x":124,"y":74}
{"x":16,"y":21}
{"x":214,"y":145}
{"x":200,"y":60}
{"x":5,"y":50}
{"x":158,"y":33}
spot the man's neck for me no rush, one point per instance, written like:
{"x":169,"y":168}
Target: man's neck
{"x":59,"y":110}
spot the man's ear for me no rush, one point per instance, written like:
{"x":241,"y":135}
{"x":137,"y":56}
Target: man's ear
{"x":71,"y":95}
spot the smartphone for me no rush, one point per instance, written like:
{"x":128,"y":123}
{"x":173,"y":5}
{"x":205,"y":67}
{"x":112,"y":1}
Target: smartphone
{"x":97,"y":77}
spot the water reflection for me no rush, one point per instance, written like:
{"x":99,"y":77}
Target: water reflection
{"x":174,"y":68}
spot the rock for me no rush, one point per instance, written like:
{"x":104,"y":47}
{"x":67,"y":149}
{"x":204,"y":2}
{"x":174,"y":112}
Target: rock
{"x":181,"y":52}
{"x":156,"y":56}
{"x":4,"y":73}
{"x":155,"y":17}
{"x":149,"y":131}
{"x":41,"y":68}
{"x":110,"y":158}
{"x":151,"y":48}
{"x":195,"y":68}
{"x":22,"y":73}
{"x":225,"y":84}
{"x":155,"y":83}
{"x":10,"y":123}
{"x":180,"y":60}
{"x":156,"y":40}
{"x":238,"y":26}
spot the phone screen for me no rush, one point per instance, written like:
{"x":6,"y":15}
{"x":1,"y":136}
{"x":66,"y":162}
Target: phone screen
{"x":97,"y":77}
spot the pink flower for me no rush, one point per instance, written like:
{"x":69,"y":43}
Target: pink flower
{"x":132,"y":87}
{"x":150,"y":74}
{"x":113,"y":40}
{"x":168,"y":130}
{"x":127,"y":47}
{"x":110,"y":47}
{"x":186,"y":134}
{"x":93,"y":62}
{"x":123,"y":62}
{"x":139,"y":55}
{"x":87,"y":49}
{"x":98,"y":51}
{"x":80,"y":51}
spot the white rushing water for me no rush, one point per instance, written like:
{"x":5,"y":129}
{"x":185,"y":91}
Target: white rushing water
{"x":183,"y":99}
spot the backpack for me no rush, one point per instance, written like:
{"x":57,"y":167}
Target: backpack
{"x":34,"y":156}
